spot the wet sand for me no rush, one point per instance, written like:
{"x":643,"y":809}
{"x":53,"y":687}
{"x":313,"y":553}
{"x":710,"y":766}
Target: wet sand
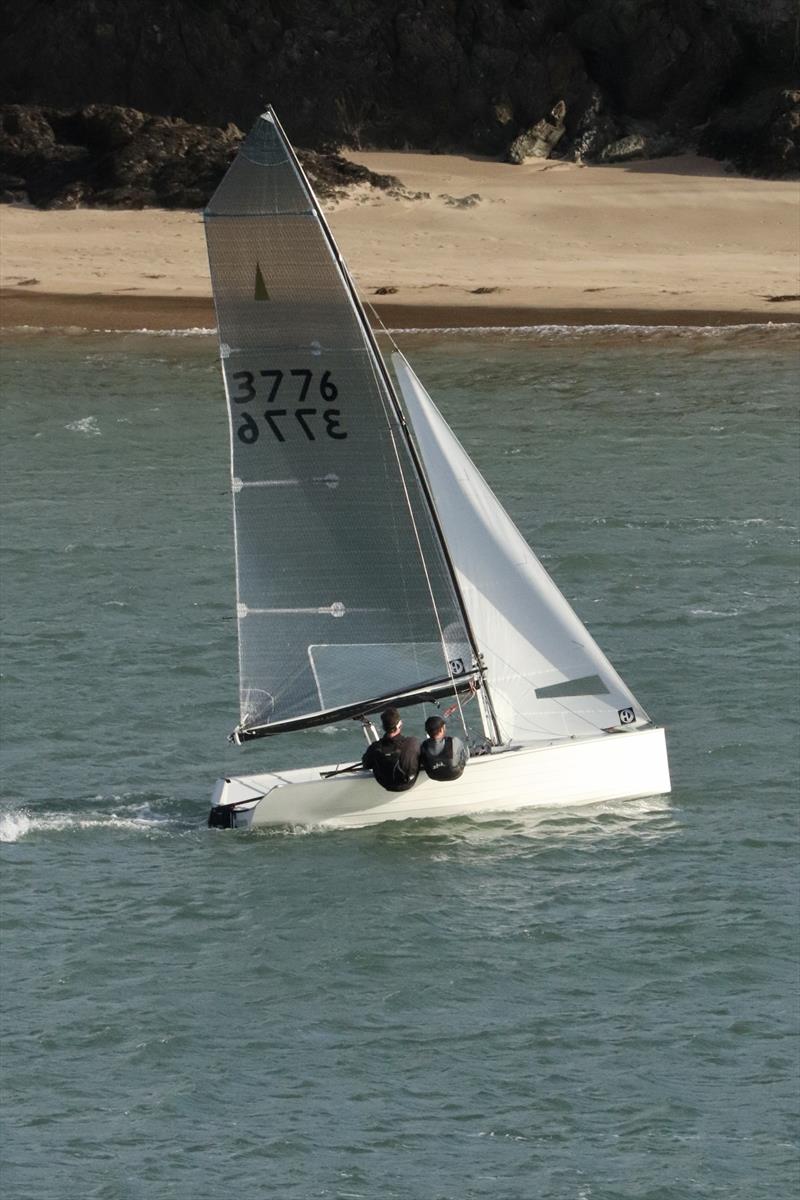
{"x":129,"y":313}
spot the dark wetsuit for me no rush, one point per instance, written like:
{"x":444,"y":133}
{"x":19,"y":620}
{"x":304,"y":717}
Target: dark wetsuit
{"x":394,"y":761}
{"x":443,"y":759}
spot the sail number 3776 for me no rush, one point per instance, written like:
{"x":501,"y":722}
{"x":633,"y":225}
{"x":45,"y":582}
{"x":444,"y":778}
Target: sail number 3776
{"x":282,"y":422}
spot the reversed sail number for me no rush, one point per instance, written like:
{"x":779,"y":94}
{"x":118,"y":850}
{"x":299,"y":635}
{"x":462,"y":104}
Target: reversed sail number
{"x":248,"y":430}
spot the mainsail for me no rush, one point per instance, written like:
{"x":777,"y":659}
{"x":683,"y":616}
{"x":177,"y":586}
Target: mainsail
{"x":548,"y":677}
{"x":344,"y":591}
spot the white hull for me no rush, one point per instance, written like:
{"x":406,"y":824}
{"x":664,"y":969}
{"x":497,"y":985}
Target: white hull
{"x":608,"y":767}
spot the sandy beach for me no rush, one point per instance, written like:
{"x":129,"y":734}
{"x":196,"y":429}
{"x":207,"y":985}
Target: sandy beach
{"x":674,"y":241}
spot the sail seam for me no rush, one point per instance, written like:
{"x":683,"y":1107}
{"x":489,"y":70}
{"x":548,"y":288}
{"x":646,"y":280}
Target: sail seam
{"x":321,"y":611}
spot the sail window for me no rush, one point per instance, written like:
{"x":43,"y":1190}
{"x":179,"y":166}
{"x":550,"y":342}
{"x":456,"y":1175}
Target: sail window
{"x":339,"y":668}
{"x":588,"y":685}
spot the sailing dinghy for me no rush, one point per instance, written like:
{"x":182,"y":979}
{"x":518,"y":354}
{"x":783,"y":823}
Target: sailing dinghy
{"x":374,"y":565}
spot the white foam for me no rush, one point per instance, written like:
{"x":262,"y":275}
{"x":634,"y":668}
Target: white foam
{"x":544,"y":330}
{"x":19,"y":823}
{"x":83,"y":330}
{"x":195,"y":331}
{"x":13,"y":826}
{"x":577,"y":331}
{"x":85,"y":425}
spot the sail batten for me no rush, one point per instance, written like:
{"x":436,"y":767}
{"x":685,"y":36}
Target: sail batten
{"x":327,"y":498}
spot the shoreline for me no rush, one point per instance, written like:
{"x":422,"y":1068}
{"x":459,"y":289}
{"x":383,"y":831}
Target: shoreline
{"x":100,"y":313}
{"x":460,"y":243}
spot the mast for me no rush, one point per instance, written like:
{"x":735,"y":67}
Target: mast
{"x":484,"y":695}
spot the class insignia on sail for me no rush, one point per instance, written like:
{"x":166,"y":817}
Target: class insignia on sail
{"x":260,"y":291}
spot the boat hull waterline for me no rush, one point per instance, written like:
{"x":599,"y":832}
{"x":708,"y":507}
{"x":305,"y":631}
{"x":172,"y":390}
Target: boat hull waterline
{"x":609,"y":767}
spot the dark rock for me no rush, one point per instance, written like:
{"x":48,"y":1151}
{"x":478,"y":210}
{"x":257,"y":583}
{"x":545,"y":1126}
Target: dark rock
{"x":760,"y":135}
{"x":461,"y":201}
{"x":99,"y":127}
{"x":595,"y":127}
{"x":12,"y":188}
{"x":71,"y":195}
{"x":541,"y":139}
{"x":390,"y":73}
{"x":24,"y":129}
{"x":110,"y":156}
{"x":331,"y":175}
{"x":642,"y":145}
{"x":644,"y":54}
{"x":113,"y":157}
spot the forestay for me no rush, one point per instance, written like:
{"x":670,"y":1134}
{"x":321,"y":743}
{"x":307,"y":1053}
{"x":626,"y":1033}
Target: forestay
{"x":548,"y":677}
{"x":343,"y":590}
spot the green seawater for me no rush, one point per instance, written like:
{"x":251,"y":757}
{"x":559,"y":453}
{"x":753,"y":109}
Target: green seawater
{"x":596,"y":1004}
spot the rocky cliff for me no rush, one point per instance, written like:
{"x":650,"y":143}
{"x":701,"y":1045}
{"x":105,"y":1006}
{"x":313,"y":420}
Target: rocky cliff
{"x":648,"y":76}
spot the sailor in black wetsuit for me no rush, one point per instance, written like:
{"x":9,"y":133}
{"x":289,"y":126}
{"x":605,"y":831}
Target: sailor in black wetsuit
{"x":394,"y":760}
{"x":442,"y":758}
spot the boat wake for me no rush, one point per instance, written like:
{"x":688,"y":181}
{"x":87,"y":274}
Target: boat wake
{"x":638,"y":818}
{"x":18,"y":823}
{"x":647,"y":818}
{"x":607,"y":816}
